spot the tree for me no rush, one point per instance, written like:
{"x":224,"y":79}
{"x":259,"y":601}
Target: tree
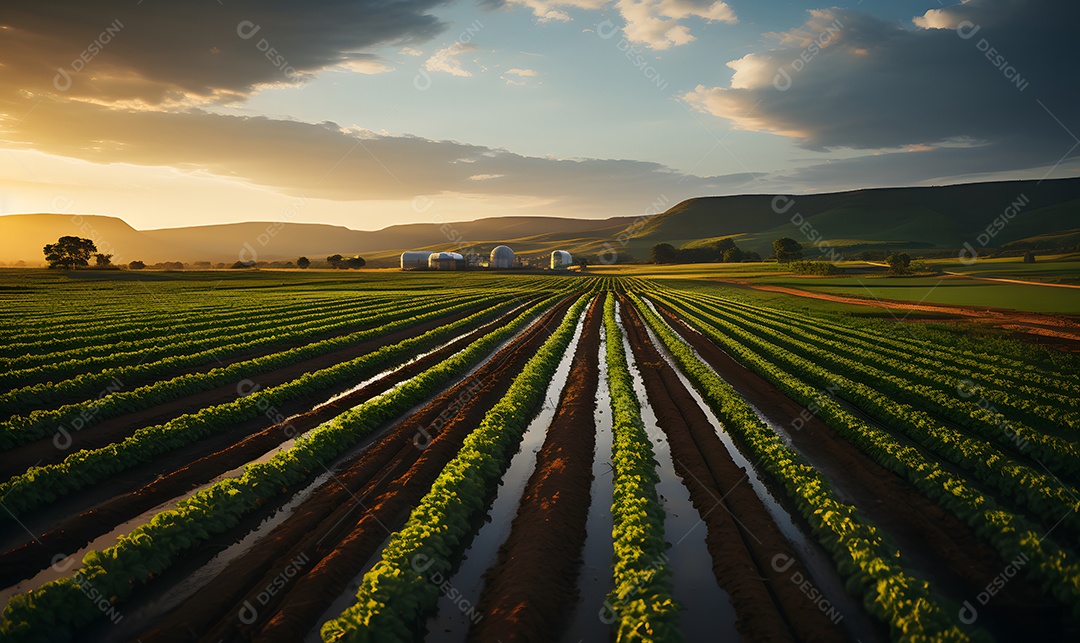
{"x":787,"y":250}
{"x":1029,"y":257}
{"x":583,"y":263}
{"x":69,"y":252}
{"x":733,"y":255}
{"x":303,"y":262}
{"x":723,"y":245}
{"x":751,"y":256}
{"x":136,"y":265}
{"x":355,"y":262}
{"x":663,"y":253}
{"x":102,"y":260}
{"x":899,"y":262}
{"x":334,"y":261}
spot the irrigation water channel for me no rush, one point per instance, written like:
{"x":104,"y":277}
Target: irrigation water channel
{"x":919,"y":559}
{"x":595,"y":580}
{"x":816,"y":559}
{"x":455,"y":613}
{"x":348,"y":597}
{"x":706,"y":613}
{"x":157,"y":600}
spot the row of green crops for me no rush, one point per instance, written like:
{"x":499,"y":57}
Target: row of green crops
{"x":89,"y":384}
{"x":56,"y":610}
{"x":947,"y":346}
{"x":641,"y":602}
{"x":397,"y":593}
{"x":82,"y":315}
{"x":133,"y":322}
{"x":41,"y":367}
{"x":1051,"y":568}
{"x":1014,"y":378}
{"x":38,"y":424}
{"x":944,"y":394}
{"x":42,"y":485}
{"x":222,"y":326}
{"x":142,"y":329}
{"x":871,"y":566}
{"x":1038,"y":492}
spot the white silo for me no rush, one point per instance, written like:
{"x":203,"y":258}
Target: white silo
{"x":502,"y":257}
{"x":445,"y":261}
{"x":414,"y":260}
{"x":561,"y":260}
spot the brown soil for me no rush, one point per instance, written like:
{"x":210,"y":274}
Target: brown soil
{"x":1063,"y":331}
{"x":73,"y":534}
{"x":949,"y":550}
{"x":43,"y":452}
{"x":531,"y":589}
{"x":344,"y":523}
{"x":742,"y":537}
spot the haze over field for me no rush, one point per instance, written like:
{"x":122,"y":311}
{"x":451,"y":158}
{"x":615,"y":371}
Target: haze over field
{"x":375,"y":113}
{"x":1040,"y":215}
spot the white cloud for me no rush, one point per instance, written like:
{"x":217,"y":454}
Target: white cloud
{"x":366,"y":66}
{"x":653,"y":23}
{"x":656,"y":23}
{"x":410,"y":51}
{"x":518,"y":76}
{"x":555,"y":10}
{"x":445,"y":60}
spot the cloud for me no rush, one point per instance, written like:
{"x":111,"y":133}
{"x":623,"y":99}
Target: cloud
{"x":445,"y":59}
{"x":367,"y":64}
{"x":986,"y":97}
{"x":118,"y":51}
{"x":548,"y":10}
{"x":657,"y":23}
{"x":328,"y":161}
{"x":518,"y":76}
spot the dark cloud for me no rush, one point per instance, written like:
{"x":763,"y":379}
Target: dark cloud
{"x":984,"y":86}
{"x":121,"y":50}
{"x":327,"y":161}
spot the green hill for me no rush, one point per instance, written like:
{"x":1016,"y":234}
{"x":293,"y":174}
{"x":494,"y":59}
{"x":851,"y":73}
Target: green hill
{"x":918,"y":218}
{"x":1042,"y":214}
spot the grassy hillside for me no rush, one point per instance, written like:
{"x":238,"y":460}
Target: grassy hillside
{"x":921,"y":219}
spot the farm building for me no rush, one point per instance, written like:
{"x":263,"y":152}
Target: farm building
{"x":414,"y":260}
{"x":561,"y":260}
{"x":445,"y":261}
{"x":502,"y":257}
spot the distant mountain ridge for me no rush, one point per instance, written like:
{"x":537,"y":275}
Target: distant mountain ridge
{"x":1007,"y":212}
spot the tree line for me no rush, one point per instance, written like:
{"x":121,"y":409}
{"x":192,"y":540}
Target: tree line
{"x":71,"y":253}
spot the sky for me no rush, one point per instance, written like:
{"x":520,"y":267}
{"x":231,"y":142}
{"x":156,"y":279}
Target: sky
{"x":376,"y":112}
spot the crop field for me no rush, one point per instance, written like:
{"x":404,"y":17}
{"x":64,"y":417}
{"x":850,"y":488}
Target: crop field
{"x":605,"y":456}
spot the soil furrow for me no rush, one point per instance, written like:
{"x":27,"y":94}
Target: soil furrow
{"x":943,"y":545}
{"x":742,"y":537}
{"x":346,"y":520}
{"x":531,"y":589}
{"x":71,"y":535}
{"x":44,"y":451}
